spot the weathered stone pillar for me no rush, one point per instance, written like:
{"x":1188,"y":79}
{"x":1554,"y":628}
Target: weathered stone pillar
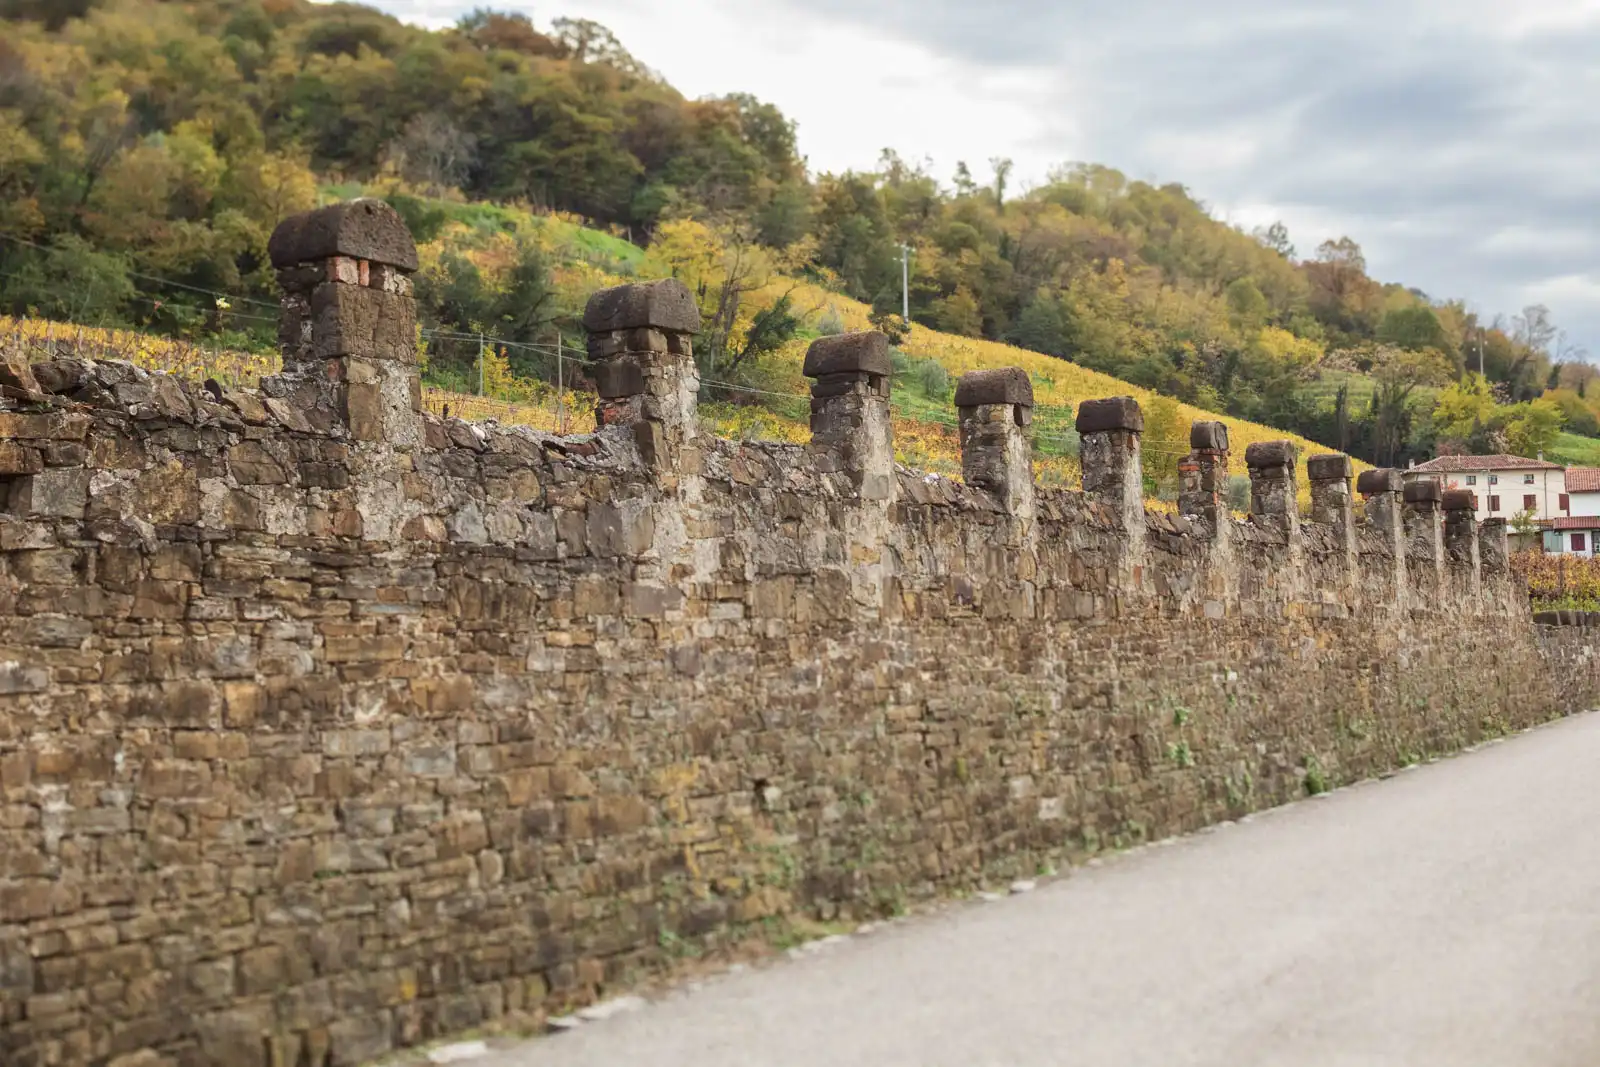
{"x":1461,"y":540}
{"x":1202,"y":498}
{"x":1424,"y":539}
{"x":1494,"y":556}
{"x":1331,"y":502}
{"x":639,"y":337}
{"x":1109,"y":433}
{"x":1272,"y":487}
{"x":850,"y":407}
{"x":1333,"y":508}
{"x":1203,"y":477}
{"x":1381,"y":490}
{"x":993,"y":406}
{"x":348,"y":321}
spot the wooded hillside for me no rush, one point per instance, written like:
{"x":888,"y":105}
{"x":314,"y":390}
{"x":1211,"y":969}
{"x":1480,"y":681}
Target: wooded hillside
{"x":147,"y":149}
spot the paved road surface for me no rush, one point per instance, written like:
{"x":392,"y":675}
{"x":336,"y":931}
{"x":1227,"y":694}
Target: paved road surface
{"x":1446,"y":917}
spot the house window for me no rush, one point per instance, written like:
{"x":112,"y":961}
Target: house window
{"x":1472,"y":479}
{"x":1527,"y":479}
{"x":1565,"y":502}
{"x":1577,"y":542}
{"x":1494,"y":479}
{"x":1530,"y":502}
{"x":1494,"y":504}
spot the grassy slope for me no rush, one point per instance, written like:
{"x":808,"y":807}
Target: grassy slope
{"x":1575,"y":451}
{"x":1058,"y":384}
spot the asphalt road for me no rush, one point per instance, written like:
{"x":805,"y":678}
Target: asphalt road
{"x":1446,"y":917}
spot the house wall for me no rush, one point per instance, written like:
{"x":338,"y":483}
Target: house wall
{"x":1585,"y":503}
{"x":1547,"y":487}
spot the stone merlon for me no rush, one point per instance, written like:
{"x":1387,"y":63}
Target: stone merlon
{"x":664,"y":305}
{"x":1111,"y":413}
{"x":849,"y":353}
{"x":360,"y":229}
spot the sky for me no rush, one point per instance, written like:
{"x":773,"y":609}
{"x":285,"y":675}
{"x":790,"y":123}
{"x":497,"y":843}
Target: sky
{"x":1455,"y":140}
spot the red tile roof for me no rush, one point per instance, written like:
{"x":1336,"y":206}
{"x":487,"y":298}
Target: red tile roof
{"x":1583,"y":479}
{"x":1482,"y":463}
{"x":1574,"y":522}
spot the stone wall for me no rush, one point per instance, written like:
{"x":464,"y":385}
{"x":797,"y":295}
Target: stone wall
{"x":327,"y":726}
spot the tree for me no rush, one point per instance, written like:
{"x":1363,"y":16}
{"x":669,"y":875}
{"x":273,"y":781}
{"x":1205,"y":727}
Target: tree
{"x":1532,"y":428}
{"x":1464,"y":407}
{"x":434,"y":153}
{"x":1415,"y":327}
{"x":1391,"y":416}
{"x":1002,"y":173}
{"x":958,"y":313}
{"x":1533,"y":329}
{"x":1276,"y":237}
{"x":1041,"y":326}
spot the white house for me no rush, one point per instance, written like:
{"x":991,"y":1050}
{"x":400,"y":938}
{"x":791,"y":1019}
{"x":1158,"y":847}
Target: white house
{"x":1505,"y":486}
{"x":1574,"y":533}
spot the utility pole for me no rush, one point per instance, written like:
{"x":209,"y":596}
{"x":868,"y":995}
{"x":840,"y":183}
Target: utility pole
{"x":905,"y":283}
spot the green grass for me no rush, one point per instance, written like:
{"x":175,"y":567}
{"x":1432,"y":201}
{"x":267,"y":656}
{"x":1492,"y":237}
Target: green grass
{"x":1575,"y":451}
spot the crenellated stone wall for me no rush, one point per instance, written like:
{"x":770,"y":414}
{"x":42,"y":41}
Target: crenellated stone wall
{"x":327,"y":726}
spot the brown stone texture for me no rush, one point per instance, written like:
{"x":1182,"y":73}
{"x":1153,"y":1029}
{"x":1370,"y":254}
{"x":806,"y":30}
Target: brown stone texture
{"x":313,"y":746}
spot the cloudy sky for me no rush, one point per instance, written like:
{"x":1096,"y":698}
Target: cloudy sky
{"x":1454,"y":139}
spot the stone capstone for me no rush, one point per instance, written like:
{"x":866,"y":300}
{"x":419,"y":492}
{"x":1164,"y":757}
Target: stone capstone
{"x":849,"y":353}
{"x":361,"y":229}
{"x":1379,"y":480}
{"x":1000,"y":385}
{"x":1459,"y":500}
{"x":1328,"y":467}
{"x":1110,"y":413}
{"x":1207,"y":436}
{"x":1423,"y":491}
{"x":1270,"y":454}
{"x":662,"y":305}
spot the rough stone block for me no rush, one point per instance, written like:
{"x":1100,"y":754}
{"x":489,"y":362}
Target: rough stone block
{"x":998,"y":385}
{"x":59,"y":493}
{"x":1423,"y":491}
{"x":663,"y":305}
{"x":1110,"y":413}
{"x":1459,"y":500}
{"x":617,"y":379}
{"x":849,"y":353}
{"x":349,"y":320}
{"x":61,"y":375}
{"x":1270,"y":454}
{"x":1207,"y":436}
{"x":1379,"y":480}
{"x":17,"y":373}
{"x":44,"y":426}
{"x":361,"y":229}
{"x":1329,"y":467}
{"x":16,"y":459}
